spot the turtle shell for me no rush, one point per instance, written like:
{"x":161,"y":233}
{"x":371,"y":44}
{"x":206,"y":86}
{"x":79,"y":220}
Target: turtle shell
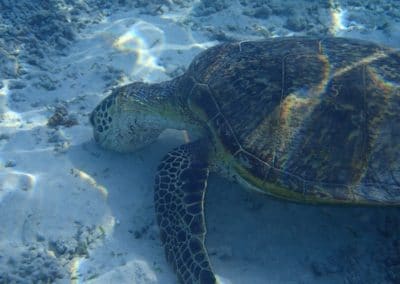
{"x":305,"y":118}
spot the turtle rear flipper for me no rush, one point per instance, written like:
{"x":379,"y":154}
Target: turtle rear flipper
{"x":180,"y":186}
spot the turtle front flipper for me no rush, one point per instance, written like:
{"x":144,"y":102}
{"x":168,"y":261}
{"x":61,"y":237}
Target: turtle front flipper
{"x":180,"y":186}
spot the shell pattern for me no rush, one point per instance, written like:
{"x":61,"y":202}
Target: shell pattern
{"x":307,"y":119}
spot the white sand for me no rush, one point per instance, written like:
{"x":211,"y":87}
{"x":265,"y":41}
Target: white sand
{"x":72,"y":211}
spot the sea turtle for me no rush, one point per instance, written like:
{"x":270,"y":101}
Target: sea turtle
{"x":305,"y":119}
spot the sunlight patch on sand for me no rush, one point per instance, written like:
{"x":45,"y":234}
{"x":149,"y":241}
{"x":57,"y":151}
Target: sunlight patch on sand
{"x":74,"y":269}
{"x":144,"y":39}
{"x":148,"y":41}
{"x":337,"y":15}
{"x":14,"y":180}
{"x":339,"y":19}
{"x":90,"y":180}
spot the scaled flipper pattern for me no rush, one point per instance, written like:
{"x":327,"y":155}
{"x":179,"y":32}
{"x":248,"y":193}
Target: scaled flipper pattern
{"x":180,"y":186}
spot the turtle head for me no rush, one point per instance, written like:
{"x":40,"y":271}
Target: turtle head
{"x":132,"y":117}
